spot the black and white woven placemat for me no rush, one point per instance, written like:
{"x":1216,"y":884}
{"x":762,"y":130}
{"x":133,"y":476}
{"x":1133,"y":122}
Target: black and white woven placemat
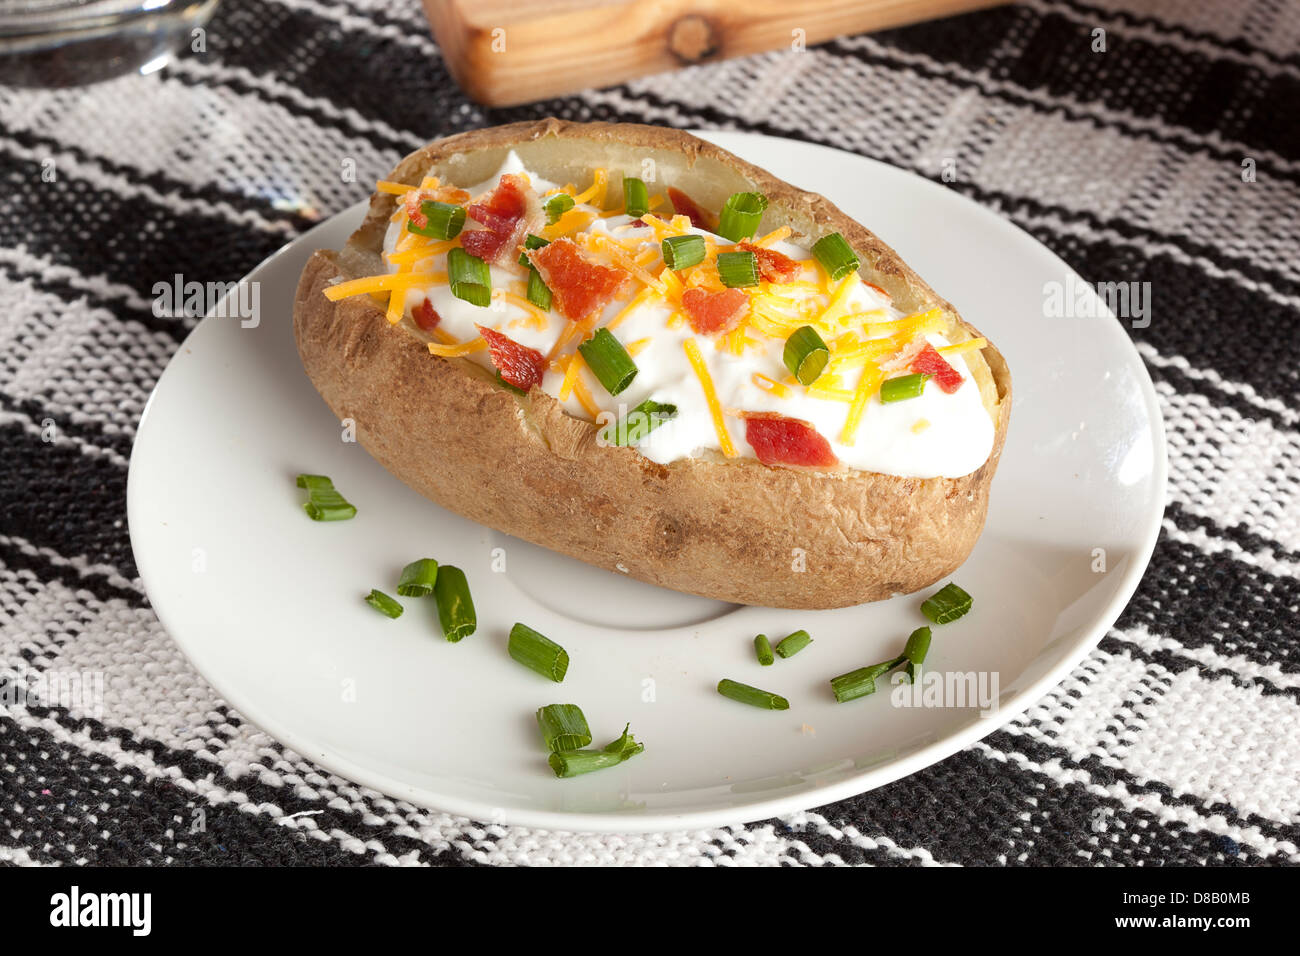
{"x":1175,"y":742}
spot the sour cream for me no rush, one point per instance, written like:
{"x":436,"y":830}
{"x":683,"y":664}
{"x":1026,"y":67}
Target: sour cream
{"x":934,"y":434}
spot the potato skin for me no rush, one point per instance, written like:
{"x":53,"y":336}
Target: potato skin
{"x":733,"y":530}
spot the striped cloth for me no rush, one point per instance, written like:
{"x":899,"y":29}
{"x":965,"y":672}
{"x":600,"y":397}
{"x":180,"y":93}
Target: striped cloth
{"x":1176,"y":742}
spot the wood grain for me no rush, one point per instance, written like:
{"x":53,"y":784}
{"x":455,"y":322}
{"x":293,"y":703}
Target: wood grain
{"x":504,"y":52}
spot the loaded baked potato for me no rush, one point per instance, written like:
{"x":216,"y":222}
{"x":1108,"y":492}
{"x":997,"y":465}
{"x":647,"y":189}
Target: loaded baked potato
{"x":627,"y":345}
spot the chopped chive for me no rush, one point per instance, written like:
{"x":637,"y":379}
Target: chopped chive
{"x":918,"y":645}
{"x":385,"y":605}
{"x":902,"y":388}
{"x":682,"y":252}
{"x":531,"y":242}
{"x":740,"y":215}
{"x":763,"y":647}
{"x":455,"y":606}
{"x":792,"y":644}
{"x":806,"y":354}
{"x":445,"y":221}
{"x":563,"y":727}
{"x":752,"y":695}
{"x":607,"y":358}
{"x":835,"y":255}
{"x":571,"y":763}
{"x":324,"y":503}
{"x":638,"y":423}
{"x":636,"y":200}
{"x":418,"y":578}
{"x":950,"y":603}
{"x":538,"y":652}
{"x":738,"y":270}
{"x":539,"y":293}
{"x":556,"y":207}
{"x":469,"y":278}
{"x":861,"y":682}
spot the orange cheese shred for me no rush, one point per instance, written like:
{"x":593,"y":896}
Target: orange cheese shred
{"x":710,"y":396}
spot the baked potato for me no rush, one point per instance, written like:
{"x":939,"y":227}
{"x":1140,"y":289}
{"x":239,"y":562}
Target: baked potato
{"x":773,"y":512}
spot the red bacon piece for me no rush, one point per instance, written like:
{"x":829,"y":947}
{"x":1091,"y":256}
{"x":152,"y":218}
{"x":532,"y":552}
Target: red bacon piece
{"x":579,"y":285}
{"x":929,"y":362}
{"x":711,"y":312}
{"x":505,"y":216}
{"x":778,"y":440}
{"x":773,"y":266}
{"x":684,"y":205}
{"x":519,"y":365}
{"x":426,"y":316}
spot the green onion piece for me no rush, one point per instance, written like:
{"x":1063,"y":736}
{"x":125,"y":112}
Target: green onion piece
{"x":418,"y":578}
{"x":571,"y":763}
{"x":455,"y":606}
{"x":763,"y":647}
{"x":638,"y":423}
{"x":946,"y":606}
{"x":469,"y":278}
{"x":607,"y":358}
{"x":740,"y":216}
{"x":445,"y":220}
{"x":538,"y":652}
{"x":556,"y":207}
{"x":531,"y":242}
{"x":539,"y":293}
{"x":861,"y":682}
{"x":806,"y":354}
{"x":918,"y":645}
{"x":385,"y":605}
{"x":793,"y":644}
{"x":738,"y":269}
{"x":835,"y":255}
{"x":636,"y":200}
{"x":903,"y":387}
{"x":682,"y":252}
{"x":323,"y":502}
{"x":563,"y":727}
{"x":752,"y":695}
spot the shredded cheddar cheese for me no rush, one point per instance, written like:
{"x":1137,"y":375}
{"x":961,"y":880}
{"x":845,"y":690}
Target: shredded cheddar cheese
{"x":595,"y":193}
{"x":385,"y":283}
{"x":393,"y":189}
{"x":771,"y":385}
{"x":710,"y":396}
{"x":920,"y":425}
{"x":773,"y":237}
{"x":571,"y":370}
{"x":868,"y":384}
{"x":460,"y":348}
{"x":970,"y":345}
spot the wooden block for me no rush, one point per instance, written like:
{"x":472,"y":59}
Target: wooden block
{"x":504,"y":52}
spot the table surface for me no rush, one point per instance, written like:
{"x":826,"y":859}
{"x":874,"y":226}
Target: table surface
{"x":1170,"y":158}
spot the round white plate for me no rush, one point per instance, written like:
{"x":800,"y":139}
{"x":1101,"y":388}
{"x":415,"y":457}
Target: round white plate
{"x":268,"y":604}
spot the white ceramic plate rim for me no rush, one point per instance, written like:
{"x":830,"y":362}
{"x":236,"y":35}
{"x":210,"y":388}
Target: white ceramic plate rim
{"x":1008,"y":708}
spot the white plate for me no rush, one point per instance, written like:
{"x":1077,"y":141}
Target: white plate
{"x":274,"y":618}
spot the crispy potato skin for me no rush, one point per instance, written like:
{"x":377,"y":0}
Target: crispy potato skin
{"x":731,"y":530}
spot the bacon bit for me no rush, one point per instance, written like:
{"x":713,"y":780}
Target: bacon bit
{"x":710,"y":312}
{"x":778,"y":440}
{"x":929,"y":362}
{"x":904,"y":357}
{"x":519,"y":365}
{"x":580,"y":286}
{"x":506,"y":216}
{"x":773,"y":266}
{"x":426,"y":316}
{"x":684,"y":205}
